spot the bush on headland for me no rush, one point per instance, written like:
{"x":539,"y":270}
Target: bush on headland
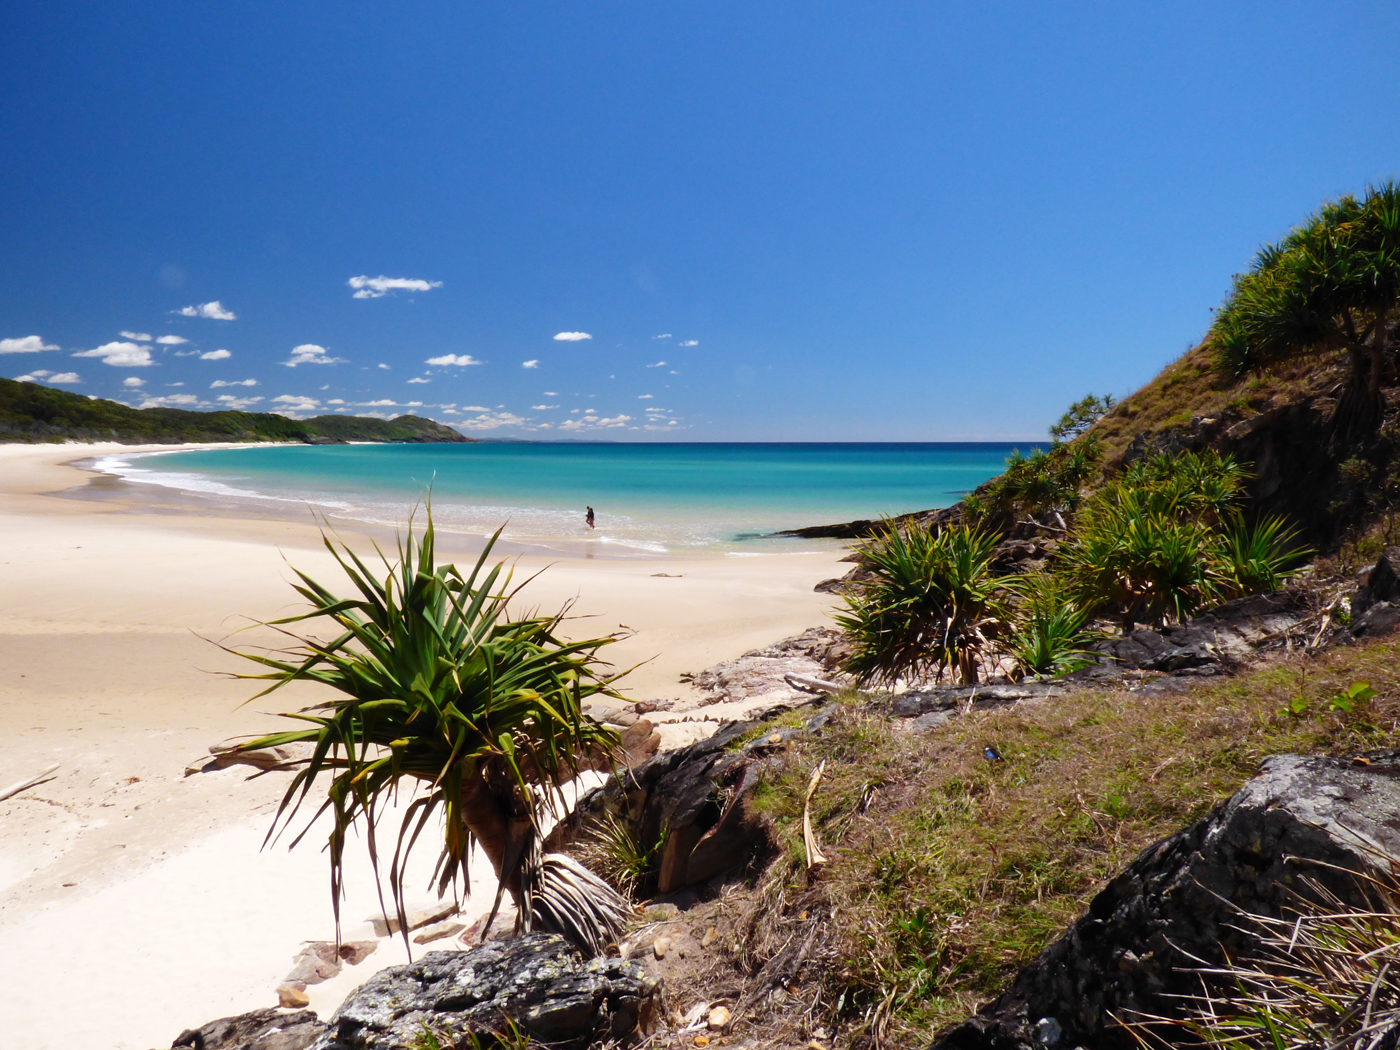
{"x":1161,"y":541}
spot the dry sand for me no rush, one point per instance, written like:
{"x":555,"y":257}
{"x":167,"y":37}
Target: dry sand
{"x":134,"y":901}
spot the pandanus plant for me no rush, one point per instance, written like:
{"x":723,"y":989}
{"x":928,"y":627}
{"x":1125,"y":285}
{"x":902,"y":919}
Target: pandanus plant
{"x":437,"y":687}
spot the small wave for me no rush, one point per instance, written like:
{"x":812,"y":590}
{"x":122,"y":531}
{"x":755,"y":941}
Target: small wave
{"x":118,"y":466}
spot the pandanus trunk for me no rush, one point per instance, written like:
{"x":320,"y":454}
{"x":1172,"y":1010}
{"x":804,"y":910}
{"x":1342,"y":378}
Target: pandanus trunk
{"x":497,"y":830}
{"x":1361,"y":408}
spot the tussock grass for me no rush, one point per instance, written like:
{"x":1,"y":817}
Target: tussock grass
{"x":947,"y":871}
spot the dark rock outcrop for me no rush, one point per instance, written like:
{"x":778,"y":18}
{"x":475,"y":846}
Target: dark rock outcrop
{"x":697,"y":795}
{"x":1300,"y":819}
{"x":1381,"y":583}
{"x":1234,"y":630}
{"x":539,"y":982}
{"x":269,"y":1029}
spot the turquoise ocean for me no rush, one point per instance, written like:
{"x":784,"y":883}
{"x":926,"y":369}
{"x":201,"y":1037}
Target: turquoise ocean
{"x":649,"y":498}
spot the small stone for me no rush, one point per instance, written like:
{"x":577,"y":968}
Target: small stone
{"x":356,"y":952}
{"x":292,"y":995}
{"x":438,"y":931}
{"x":702,"y":1040}
{"x":711,"y":935}
{"x":623,"y":719}
{"x":661,"y":946}
{"x":386,"y":925}
{"x":802,"y":917}
{"x":718,"y":1019}
{"x":661,"y":912}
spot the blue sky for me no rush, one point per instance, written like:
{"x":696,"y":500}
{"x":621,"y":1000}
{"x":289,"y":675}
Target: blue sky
{"x":830,"y":221}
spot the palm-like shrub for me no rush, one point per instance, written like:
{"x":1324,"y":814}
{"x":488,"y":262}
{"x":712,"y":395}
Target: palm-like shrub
{"x":1154,"y":566}
{"x":928,"y":608}
{"x":1050,"y":632}
{"x":1256,"y":559}
{"x":437,"y":687}
{"x":1047,"y":482}
{"x":1333,"y":284}
{"x":1165,"y":538}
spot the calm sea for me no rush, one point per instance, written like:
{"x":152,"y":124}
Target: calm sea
{"x":723,"y":498}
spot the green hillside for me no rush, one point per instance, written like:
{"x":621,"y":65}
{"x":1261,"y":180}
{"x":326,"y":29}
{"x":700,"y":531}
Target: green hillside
{"x":30,"y":412}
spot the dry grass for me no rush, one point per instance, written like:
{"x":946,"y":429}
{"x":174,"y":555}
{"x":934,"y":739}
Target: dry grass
{"x":948,"y":871}
{"x":1191,"y":386}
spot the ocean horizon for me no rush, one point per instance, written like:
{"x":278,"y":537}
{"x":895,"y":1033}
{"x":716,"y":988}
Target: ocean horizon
{"x":649,"y":498}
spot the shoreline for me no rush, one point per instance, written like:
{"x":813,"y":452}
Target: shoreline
{"x":120,"y":872}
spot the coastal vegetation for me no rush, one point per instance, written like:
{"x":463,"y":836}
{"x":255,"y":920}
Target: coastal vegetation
{"x":436,"y":686}
{"x":1161,"y":540}
{"x":950,"y":870}
{"x":1333,"y":284}
{"x":32,"y":412}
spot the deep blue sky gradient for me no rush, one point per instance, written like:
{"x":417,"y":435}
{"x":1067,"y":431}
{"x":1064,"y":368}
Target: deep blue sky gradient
{"x":891,"y":221}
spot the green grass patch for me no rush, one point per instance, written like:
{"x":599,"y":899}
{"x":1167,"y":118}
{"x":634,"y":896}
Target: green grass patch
{"x":947,"y":872}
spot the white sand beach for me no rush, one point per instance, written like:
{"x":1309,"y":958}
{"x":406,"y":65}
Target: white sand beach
{"x":136,"y":901}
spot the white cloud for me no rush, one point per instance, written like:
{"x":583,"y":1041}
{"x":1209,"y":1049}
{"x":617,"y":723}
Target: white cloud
{"x":530,"y":364}
{"x":663,"y":335}
{"x":238,"y":404}
{"x":690,"y":342}
{"x":120,"y":355}
{"x":28,"y":344}
{"x":311,"y":354}
{"x":643,"y":397}
{"x":133,"y":381}
{"x":453,"y":359}
{"x":214,"y":311}
{"x":181,"y":383}
{"x":64,"y":377}
{"x":335,"y":401}
{"x":384,"y":366}
{"x":186,"y":353}
{"x":572,"y":337}
{"x":376,"y":404}
{"x":38,"y":373}
{"x":172,"y":340}
{"x":419,"y":379}
{"x":542,"y":408}
{"x":490,"y":421}
{"x":551,"y":393}
{"x":378,"y":287}
{"x":475,"y":408}
{"x":592,"y":422}
{"x":215,"y":355}
{"x":140,"y":337}
{"x":170,"y":401}
{"x":232,"y":382}
{"x":659,"y":364}
{"x":296,"y":403}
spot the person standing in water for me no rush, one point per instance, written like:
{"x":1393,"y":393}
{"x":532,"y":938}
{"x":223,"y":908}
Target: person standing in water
{"x":588,"y":518}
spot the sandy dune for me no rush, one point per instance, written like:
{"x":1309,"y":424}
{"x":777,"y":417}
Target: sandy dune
{"x":135,"y":901}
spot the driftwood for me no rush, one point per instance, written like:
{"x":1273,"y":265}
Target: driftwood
{"x":15,"y":789}
{"x":809,"y":684}
{"x":815,"y":857}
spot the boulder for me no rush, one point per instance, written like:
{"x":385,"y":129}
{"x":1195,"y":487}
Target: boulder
{"x":1378,"y":619}
{"x":268,"y":1029}
{"x":1381,"y":583}
{"x":697,"y":794}
{"x":539,"y":982}
{"x":1301,"y":823}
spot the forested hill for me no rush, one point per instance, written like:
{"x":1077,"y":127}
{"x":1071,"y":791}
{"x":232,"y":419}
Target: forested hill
{"x":30,"y":412}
